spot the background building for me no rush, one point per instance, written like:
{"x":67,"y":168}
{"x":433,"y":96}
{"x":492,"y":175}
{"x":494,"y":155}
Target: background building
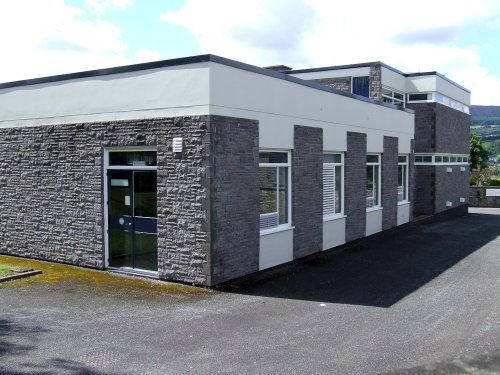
{"x":442,"y":124}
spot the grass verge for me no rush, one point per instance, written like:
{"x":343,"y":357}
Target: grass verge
{"x":70,"y":278}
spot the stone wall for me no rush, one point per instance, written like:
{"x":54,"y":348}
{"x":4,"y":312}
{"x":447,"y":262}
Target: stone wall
{"x":451,"y":186}
{"x":235,"y":198}
{"x":390,"y":183}
{"x":339,"y":83}
{"x":376,"y":82}
{"x":478,"y":198}
{"x":355,"y":186}
{"x":439,"y":128}
{"x":425,"y":126}
{"x":307,"y":191}
{"x":452,"y":130}
{"x":52,"y":192}
{"x":424,"y":191}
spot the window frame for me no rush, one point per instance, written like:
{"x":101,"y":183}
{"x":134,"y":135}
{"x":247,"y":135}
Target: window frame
{"x":441,"y":159}
{"x":330,"y":216}
{"x":379,"y":181}
{"x":406,"y":177}
{"x":391,"y":99}
{"x":369,"y":87}
{"x":288,"y":165}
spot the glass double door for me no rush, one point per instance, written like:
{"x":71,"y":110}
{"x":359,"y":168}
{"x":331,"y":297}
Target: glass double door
{"x":132,"y":219}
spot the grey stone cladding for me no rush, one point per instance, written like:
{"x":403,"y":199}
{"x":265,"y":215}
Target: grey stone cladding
{"x":452,"y":130}
{"x":424,"y":191}
{"x":235,"y":198}
{"x":355,"y":186}
{"x":451,"y":186}
{"x":52,"y":192}
{"x":390,"y":183}
{"x":338,"y":83}
{"x":307,"y":190}
{"x":439,"y":128}
{"x":376,"y":82}
{"x":436,"y":186}
{"x":425,"y":126}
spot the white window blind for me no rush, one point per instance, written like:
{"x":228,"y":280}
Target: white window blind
{"x":328,"y":189}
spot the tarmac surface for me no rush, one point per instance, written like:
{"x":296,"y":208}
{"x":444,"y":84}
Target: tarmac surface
{"x":419,"y":299}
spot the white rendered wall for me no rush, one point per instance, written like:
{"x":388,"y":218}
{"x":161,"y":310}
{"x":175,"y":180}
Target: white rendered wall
{"x":403,"y":213}
{"x":278,"y":105}
{"x":373,"y":222}
{"x":437,"y":84}
{"x":276,"y":248}
{"x":333,"y":233}
{"x":392,"y":79}
{"x":334,"y":73}
{"x":164,"y":92}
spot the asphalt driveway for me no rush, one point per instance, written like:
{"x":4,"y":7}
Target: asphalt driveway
{"x":412,"y":296}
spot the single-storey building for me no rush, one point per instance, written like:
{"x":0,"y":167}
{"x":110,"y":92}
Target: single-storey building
{"x":197,"y":170}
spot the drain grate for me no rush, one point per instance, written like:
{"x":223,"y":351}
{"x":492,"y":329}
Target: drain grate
{"x":100,"y":358}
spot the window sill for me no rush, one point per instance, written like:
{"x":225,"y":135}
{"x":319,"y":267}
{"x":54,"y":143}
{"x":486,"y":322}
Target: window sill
{"x":378,"y":208}
{"x":403,"y":203}
{"x":281,"y":228}
{"x":333,"y":217}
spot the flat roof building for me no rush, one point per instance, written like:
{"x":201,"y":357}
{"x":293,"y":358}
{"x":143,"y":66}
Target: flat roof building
{"x":198,"y":170}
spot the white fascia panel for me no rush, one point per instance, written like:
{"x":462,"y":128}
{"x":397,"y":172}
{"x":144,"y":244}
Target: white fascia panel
{"x":171,"y":91}
{"x":394,"y":80}
{"x":334,"y":73}
{"x":421,"y":84}
{"x":452,"y":91}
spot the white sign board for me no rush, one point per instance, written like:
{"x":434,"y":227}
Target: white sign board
{"x":493,"y":192}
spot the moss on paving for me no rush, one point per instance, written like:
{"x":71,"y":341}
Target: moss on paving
{"x":72,"y":278}
{"x":5,"y":269}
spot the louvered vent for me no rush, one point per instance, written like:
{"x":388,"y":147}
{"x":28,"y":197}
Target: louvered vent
{"x":328,"y":189}
{"x":268,"y":220}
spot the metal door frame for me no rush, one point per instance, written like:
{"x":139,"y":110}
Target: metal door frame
{"x":106,"y":193}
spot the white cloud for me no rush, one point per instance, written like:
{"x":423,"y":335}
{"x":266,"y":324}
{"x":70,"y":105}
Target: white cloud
{"x":311,"y":33}
{"x":146,"y":55}
{"x":100,"y":6}
{"x":54,"y":38}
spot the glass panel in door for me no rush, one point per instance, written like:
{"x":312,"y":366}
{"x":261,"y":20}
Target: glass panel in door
{"x":145,"y":231}
{"x":132,"y":228}
{"x":120,"y":218}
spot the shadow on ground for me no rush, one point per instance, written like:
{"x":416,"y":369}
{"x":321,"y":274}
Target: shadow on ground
{"x":10,"y":329}
{"x":379,"y":270}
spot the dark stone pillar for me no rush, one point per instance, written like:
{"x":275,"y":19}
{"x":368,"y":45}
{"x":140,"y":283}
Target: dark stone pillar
{"x":355,"y":186}
{"x":390,"y":183}
{"x":234,"y":198}
{"x":307,"y":191}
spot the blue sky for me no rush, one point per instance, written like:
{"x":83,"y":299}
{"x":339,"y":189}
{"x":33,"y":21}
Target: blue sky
{"x":459,"y":38}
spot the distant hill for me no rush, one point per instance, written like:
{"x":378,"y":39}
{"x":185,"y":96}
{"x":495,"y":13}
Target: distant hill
{"x":485,"y":114}
{"x":485,"y":110}
{"x":485,"y":122}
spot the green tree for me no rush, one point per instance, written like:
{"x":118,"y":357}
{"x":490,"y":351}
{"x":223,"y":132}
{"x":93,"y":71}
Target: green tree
{"x":478,"y":154}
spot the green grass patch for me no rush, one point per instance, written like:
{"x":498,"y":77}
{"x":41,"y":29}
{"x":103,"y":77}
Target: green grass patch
{"x":5,"y":270}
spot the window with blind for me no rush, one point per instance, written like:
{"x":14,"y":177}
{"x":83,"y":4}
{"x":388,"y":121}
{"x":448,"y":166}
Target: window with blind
{"x":372,"y":181}
{"x":332,"y":184}
{"x":361,"y":86}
